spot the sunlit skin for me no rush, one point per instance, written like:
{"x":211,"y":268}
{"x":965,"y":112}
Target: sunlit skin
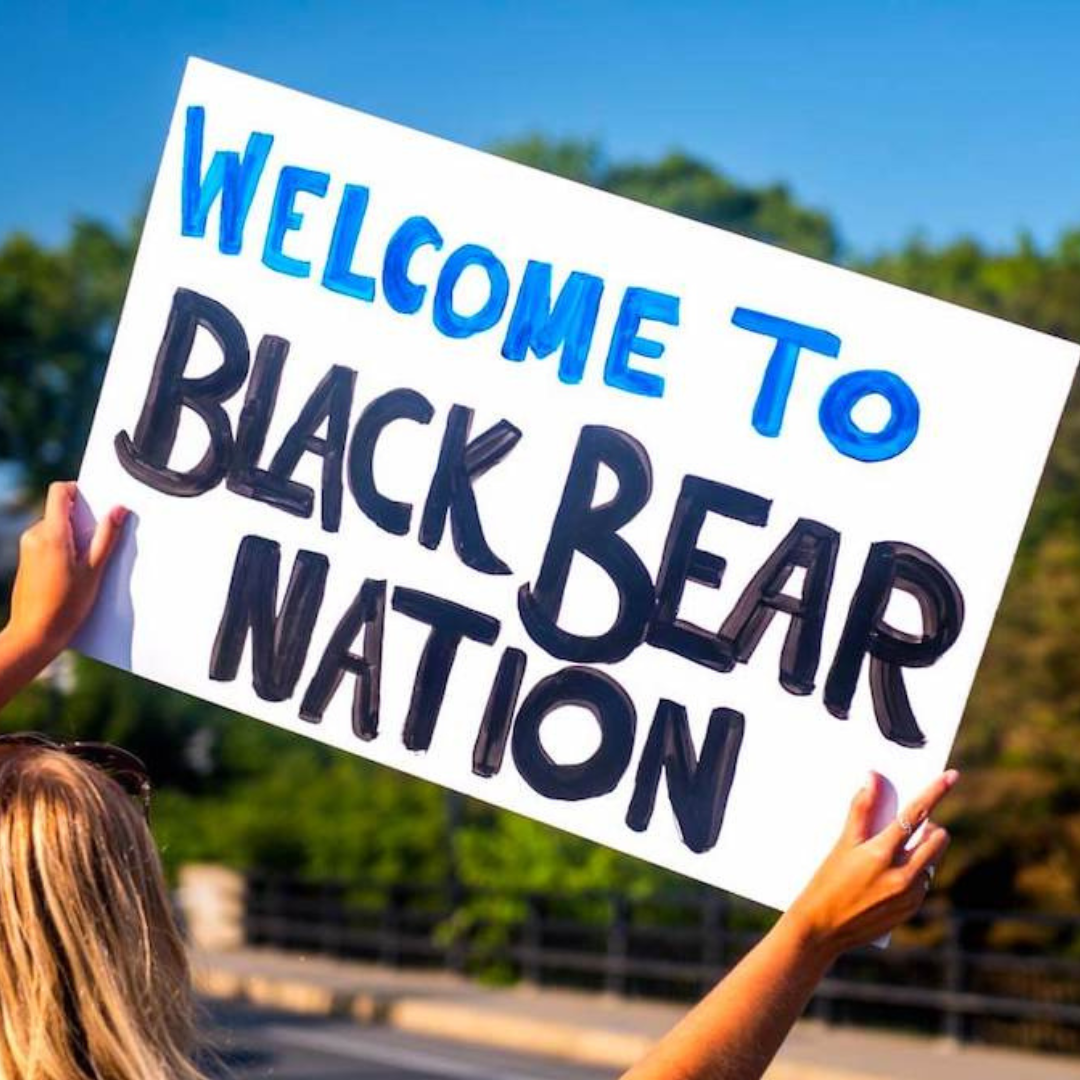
{"x":55,"y":587}
{"x":867,"y":885}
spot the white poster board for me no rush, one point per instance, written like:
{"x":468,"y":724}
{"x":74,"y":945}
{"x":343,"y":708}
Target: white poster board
{"x":367,"y":511}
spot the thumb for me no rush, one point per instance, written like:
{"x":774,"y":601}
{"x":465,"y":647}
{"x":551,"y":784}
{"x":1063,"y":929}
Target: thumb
{"x":860,"y":816}
{"x":105,"y":537}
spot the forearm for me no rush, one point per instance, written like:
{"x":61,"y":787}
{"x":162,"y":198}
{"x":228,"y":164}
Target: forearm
{"x":736,"y":1030}
{"x":868,"y":883}
{"x":21,"y":660}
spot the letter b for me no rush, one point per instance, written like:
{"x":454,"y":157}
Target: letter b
{"x":593,"y":531}
{"x":146,"y":456}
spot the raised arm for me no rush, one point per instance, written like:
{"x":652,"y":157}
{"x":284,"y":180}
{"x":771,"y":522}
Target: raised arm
{"x":55,"y":587}
{"x":866,"y":886}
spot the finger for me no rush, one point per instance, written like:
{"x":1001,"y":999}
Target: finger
{"x":58,"y":504}
{"x":861,"y":815}
{"x":105,"y":537}
{"x":32,"y":536}
{"x":914,"y":898}
{"x":929,"y":851}
{"x":895,"y":835}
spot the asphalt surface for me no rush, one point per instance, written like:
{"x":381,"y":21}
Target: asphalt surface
{"x":250,"y":1043}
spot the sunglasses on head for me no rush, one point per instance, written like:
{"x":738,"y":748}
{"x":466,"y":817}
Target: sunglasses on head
{"x":118,"y":764}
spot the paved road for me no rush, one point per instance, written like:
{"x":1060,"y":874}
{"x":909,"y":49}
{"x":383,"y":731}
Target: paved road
{"x":260,"y":1043}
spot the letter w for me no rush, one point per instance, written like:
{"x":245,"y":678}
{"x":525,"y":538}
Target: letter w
{"x":230,"y":176}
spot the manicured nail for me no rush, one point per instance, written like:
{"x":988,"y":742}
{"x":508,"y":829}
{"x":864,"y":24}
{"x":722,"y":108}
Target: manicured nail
{"x":951,"y":777}
{"x":118,"y":515}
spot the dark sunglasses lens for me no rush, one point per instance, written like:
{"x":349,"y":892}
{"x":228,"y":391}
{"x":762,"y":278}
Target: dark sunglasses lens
{"x":131,"y":782}
{"x":120,"y":765}
{"x":28,"y":738}
{"x":123,"y":767}
{"x":110,"y":758}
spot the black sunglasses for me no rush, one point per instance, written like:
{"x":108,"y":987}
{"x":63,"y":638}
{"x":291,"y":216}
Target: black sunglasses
{"x":118,"y":764}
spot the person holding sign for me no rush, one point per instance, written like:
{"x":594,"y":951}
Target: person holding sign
{"x":93,"y":975}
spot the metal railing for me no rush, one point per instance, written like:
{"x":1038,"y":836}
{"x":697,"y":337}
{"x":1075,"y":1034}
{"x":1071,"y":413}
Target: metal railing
{"x":994,"y":977}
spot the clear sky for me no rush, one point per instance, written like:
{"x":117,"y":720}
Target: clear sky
{"x":940,"y":117}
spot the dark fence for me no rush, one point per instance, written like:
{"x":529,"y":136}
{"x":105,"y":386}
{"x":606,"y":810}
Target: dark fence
{"x":990,"y":977}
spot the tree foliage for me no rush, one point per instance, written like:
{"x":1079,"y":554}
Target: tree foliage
{"x":246,"y":793}
{"x":688,"y":186}
{"x":58,"y":310}
{"x":1017,"y":818}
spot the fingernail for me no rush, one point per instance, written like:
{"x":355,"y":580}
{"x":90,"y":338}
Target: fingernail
{"x":118,"y":514}
{"x":951,"y":777}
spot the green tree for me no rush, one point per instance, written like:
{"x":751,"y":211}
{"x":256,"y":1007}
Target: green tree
{"x":58,"y":311}
{"x":231,"y":787}
{"x":1016,"y":817}
{"x":687,"y":186}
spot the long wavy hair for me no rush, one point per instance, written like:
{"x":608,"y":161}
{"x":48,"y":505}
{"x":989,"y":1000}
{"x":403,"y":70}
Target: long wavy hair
{"x":94,"y":979}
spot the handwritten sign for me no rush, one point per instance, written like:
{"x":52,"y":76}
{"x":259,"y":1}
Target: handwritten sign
{"x":640,"y":528}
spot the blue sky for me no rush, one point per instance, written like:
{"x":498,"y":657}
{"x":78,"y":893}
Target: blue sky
{"x":895,"y":117}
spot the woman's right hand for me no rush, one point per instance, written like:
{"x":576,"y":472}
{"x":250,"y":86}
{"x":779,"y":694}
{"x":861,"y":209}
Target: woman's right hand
{"x":868,"y":884}
{"x":56,"y":583}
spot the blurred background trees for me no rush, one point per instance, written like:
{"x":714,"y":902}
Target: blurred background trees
{"x":236,"y":790}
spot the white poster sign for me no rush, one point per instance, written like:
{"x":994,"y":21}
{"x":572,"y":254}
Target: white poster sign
{"x":640,"y":528}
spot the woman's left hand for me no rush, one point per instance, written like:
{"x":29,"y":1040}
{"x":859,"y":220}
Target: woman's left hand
{"x":869,"y":883}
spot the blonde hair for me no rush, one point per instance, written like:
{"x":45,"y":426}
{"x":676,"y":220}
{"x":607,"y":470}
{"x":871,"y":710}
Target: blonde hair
{"x":94,"y":979}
